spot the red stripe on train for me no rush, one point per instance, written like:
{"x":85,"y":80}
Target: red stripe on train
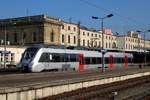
{"x":125,"y":61}
{"x":111,"y":62}
{"x":81,"y":62}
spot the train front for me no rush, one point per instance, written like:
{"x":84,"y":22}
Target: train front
{"x":26,"y":62}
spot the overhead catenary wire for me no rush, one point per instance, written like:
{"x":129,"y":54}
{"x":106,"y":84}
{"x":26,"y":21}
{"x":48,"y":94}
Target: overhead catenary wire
{"x":136,"y":23}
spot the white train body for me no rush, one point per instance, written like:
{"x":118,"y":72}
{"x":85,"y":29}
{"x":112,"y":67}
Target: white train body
{"x":37,"y":59}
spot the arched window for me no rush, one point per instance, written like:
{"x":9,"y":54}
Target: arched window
{"x":74,"y":28}
{"x":74,"y":40}
{"x":34,"y":36}
{"x":99,"y":44}
{"x":95,"y":43}
{"x":114,"y":45}
{"x":62,"y":26}
{"x":52,"y":36}
{"x":68,"y":27}
{"x":83,"y":42}
{"x":88,"y":43}
{"x":63,"y":38}
{"x":15,"y":37}
{"x":106,"y":44}
{"x":68,"y":38}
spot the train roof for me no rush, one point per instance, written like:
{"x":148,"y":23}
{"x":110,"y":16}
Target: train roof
{"x":86,"y":53}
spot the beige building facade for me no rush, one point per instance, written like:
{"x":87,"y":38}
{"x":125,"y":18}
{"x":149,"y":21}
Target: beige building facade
{"x":132,"y":41}
{"x":51,"y":30}
{"x":22,"y":31}
{"x":29,"y":30}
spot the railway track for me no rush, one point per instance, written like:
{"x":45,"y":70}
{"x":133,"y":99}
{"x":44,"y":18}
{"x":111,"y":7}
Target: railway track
{"x":110,"y":91}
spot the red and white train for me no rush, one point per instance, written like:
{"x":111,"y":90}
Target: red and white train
{"x":37,"y":59}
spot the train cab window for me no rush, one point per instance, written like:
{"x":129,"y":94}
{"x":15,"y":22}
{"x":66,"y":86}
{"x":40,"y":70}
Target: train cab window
{"x":44,"y":57}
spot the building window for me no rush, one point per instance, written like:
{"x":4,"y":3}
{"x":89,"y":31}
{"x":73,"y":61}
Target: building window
{"x":88,"y":33}
{"x":88,"y":43}
{"x":62,"y":26}
{"x":99,"y":36}
{"x":68,"y":27}
{"x":106,"y":44}
{"x":83,"y":33}
{"x":69,"y":39}
{"x":95,"y":35}
{"x":74,"y":40}
{"x":34,"y":36}
{"x":74,"y":28}
{"x":95,"y":43}
{"x":109,"y":45}
{"x":63,"y":38}
{"x":99,"y":44}
{"x":52,"y":36}
{"x":92,"y":34}
{"x":83,"y":42}
{"x":15,"y":37}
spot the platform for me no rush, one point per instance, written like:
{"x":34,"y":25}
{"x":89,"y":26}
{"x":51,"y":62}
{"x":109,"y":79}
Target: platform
{"x":28,"y":86}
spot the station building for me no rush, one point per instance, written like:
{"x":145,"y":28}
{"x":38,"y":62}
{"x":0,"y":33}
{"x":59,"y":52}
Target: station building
{"x":23,"y":31}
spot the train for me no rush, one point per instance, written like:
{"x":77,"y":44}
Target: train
{"x":41,"y":58}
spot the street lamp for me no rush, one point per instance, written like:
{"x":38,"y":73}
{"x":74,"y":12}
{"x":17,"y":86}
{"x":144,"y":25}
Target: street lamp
{"x":5,"y":48}
{"x":101,"y":19}
{"x":144,"y":44}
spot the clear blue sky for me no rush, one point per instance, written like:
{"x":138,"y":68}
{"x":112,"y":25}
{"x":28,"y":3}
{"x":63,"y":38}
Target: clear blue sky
{"x":128,"y":14}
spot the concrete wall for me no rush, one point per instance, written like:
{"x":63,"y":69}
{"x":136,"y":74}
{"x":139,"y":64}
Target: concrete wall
{"x":35,"y":93}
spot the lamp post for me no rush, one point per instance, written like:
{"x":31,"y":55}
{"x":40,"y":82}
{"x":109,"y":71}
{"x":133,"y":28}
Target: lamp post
{"x":102,"y":19}
{"x":144,"y":44}
{"x":5,"y":48}
{"x":78,"y":35}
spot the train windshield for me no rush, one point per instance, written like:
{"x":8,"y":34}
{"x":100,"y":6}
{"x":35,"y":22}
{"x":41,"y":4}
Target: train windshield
{"x":29,"y":53}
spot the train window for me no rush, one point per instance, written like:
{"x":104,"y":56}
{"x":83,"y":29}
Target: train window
{"x":119,"y":60}
{"x":67,"y":58}
{"x":98,"y":60}
{"x":56,"y":57}
{"x":106,"y":60}
{"x":93,"y":60}
{"x":50,"y":57}
{"x":87,"y":60}
{"x":73,"y":58}
{"x":130,"y":60}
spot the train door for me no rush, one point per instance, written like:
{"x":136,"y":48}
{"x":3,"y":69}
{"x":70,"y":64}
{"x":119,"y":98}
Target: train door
{"x":81,"y":62}
{"x":110,"y":62}
{"x":125,"y":61}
